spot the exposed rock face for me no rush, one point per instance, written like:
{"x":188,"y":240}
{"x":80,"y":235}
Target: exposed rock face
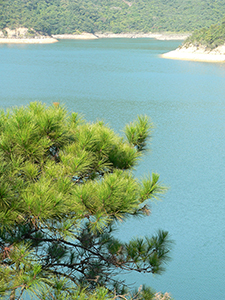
{"x":23,"y":35}
{"x":16,"y":33}
{"x":128,"y":3}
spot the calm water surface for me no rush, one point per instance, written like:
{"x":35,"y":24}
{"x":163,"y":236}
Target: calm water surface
{"x":117,"y":79}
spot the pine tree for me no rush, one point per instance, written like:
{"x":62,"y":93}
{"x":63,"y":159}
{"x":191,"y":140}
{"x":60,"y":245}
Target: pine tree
{"x":64,"y":185}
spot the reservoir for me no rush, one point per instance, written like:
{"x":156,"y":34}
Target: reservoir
{"x":117,"y":79}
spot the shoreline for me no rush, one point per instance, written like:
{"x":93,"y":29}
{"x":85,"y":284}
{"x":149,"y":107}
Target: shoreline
{"x":99,"y":35}
{"x":82,"y":36}
{"x":28,"y":41}
{"x":197,"y":54}
{"x":157,"y":36}
{"x":17,"y":36}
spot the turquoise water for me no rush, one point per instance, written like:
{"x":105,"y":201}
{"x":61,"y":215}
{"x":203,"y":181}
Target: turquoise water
{"x":117,"y":79}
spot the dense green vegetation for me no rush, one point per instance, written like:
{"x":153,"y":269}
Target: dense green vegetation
{"x":211,"y":37}
{"x":65,"y":186}
{"x":70,"y":16}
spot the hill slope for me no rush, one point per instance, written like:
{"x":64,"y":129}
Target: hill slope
{"x":70,"y":16}
{"x":206,"y":44}
{"x":211,"y":37}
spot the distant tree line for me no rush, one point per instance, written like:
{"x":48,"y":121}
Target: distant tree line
{"x":74,"y":16}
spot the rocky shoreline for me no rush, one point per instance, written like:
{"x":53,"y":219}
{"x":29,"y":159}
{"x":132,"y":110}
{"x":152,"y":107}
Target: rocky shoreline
{"x":82,"y":36}
{"x":24,"y":35}
{"x":99,"y":35}
{"x":194,"y":53}
{"x":30,"y":36}
{"x":28,"y":40}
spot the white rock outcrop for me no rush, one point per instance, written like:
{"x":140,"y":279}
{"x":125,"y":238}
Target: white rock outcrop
{"x":197,"y":53}
{"x":23,"y":35}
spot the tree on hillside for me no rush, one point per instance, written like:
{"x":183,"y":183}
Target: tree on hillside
{"x":65,"y":185}
{"x":70,"y":16}
{"x":210,"y":38}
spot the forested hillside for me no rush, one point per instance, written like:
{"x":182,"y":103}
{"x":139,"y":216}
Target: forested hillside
{"x":70,"y":16}
{"x":211,"y":37}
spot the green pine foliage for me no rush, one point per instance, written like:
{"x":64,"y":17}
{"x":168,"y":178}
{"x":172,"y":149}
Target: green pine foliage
{"x":74,"y":16}
{"x":65,"y":185}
